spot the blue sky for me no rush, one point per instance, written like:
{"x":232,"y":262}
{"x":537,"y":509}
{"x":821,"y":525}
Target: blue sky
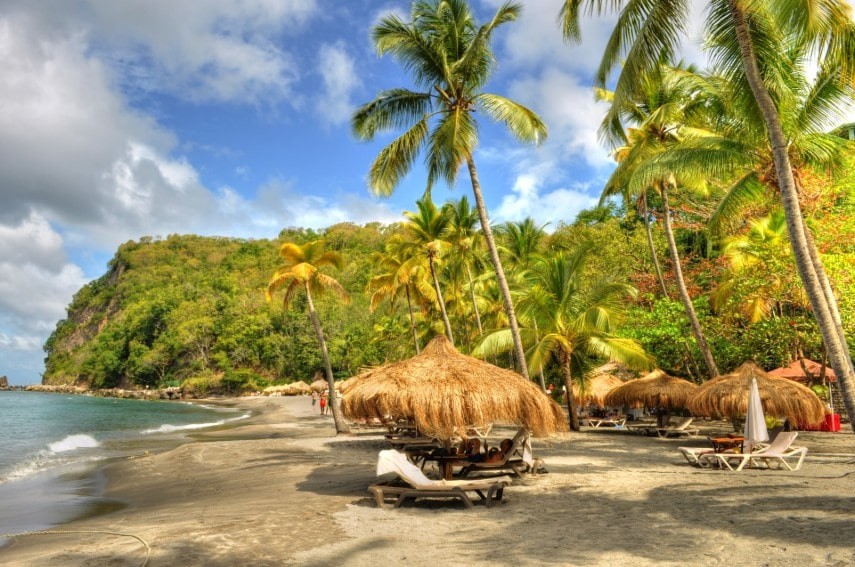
{"x":122,"y":119}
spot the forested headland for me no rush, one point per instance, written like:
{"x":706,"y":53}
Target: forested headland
{"x":190,"y":311}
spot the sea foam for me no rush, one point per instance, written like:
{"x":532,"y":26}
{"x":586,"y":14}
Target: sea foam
{"x":73,"y":442}
{"x":169,"y":428}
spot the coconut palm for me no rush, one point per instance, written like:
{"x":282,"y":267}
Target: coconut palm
{"x":427,"y":229}
{"x":450,"y":59}
{"x":300,"y":270}
{"x":759,"y":281}
{"x":659,"y":108}
{"x":576,"y":320}
{"x":521,"y":244}
{"x":466,"y":241}
{"x":404,"y":274}
{"x":747,"y":34}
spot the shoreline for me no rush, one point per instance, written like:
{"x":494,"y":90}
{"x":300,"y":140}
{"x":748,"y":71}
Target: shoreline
{"x":282,"y":489}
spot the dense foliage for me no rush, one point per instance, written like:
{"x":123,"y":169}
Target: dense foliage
{"x":191,"y":310}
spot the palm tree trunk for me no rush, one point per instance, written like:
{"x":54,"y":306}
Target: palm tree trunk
{"x":445,"y":320}
{"x":697,"y":331}
{"x":519,"y":351}
{"x":653,"y":255}
{"x":335,"y":402}
{"x":412,"y":319}
{"x":539,"y":370}
{"x":841,"y":364}
{"x":568,"y":384}
{"x":474,"y":303}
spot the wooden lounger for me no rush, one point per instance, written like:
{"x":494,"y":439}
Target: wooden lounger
{"x":488,"y":493}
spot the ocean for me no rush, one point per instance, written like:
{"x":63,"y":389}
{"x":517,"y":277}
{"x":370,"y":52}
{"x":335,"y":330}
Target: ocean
{"x":53,"y":446}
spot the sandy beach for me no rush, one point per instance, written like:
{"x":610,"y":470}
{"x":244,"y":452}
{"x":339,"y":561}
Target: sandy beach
{"x":282,"y":489}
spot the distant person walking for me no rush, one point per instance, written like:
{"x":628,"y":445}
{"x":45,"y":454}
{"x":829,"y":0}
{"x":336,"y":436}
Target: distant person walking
{"x":324,"y":403}
{"x":315,"y":397}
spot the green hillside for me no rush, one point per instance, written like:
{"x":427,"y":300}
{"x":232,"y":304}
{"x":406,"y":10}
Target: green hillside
{"x":191,"y":311}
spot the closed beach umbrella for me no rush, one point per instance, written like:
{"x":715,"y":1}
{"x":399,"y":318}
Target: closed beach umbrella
{"x":656,"y":390}
{"x":446,"y":393}
{"x":727,"y":396}
{"x":755,"y":422}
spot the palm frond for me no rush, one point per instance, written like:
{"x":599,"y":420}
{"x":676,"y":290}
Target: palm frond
{"x":523,"y":123}
{"x":392,"y":109}
{"x":396,"y":160}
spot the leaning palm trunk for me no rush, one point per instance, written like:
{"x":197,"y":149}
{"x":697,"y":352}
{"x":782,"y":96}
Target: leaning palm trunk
{"x":519,"y":352}
{"x":412,"y":319}
{"x":834,"y":340}
{"x":442,"y":309}
{"x":335,"y":402}
{"x":474,"y":303}
{"x":572,"y":410}
{"x":649,"y":231}
{"x":697,"y":331}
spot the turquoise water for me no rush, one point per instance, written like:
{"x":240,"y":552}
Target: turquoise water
{"x":51,"y":447}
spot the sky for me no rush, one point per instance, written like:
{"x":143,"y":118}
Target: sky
{"x":132,"y":118}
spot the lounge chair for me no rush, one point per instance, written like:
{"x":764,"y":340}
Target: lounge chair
{"x":680,"y":429}
{"x":516,"y":460}
{"x":779,"y":452}
{"x":693,"y":455}
{"x":417,"y":485}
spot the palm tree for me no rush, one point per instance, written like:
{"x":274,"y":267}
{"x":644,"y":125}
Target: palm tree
{"x":576,"y":320}
{"x":758,"y":282}
{"x":659,"y":108}
{"x":450,"y":59}
{"x":426,"y":231}
{"x":466,"y":240}
{"x":747,"y":31}
{"x":300,"y":270}
{"x":520,"y":243}
{"x":403,"y":273}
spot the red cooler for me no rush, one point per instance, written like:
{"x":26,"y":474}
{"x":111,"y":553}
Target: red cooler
{"x":832,"y":422}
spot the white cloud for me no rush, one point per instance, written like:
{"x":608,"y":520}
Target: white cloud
{"x":204,"y":51}
{"x":528,"y":200}
{"x":278,"y":205}
{"x":334,"y":105}
{"x":36,"y":282}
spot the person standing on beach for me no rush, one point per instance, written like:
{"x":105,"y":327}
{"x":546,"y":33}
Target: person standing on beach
{"x":324,"y":403}
{"x":314,"y":399}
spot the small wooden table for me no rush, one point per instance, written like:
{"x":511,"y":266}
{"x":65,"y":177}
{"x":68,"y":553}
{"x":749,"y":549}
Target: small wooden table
{"x":722,"y":444}
{"x":446,"y":463}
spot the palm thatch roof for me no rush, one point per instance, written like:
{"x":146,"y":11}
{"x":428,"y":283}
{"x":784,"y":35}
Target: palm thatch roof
{"x":655,"y":390}
{"x":299,"y":387}
{"x":319,"y":386}
{"x":446,"y":393}
{"x":727,"y":396}
{"x":595,"y":389}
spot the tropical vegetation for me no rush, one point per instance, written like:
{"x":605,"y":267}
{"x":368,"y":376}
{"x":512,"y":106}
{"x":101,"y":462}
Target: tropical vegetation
{"x":725,"y":233}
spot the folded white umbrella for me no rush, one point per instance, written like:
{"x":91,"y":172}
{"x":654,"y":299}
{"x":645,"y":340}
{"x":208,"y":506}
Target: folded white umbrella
{"x":755,"y":422}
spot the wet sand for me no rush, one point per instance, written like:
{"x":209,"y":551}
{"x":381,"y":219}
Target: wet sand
{"x":282,"y":489}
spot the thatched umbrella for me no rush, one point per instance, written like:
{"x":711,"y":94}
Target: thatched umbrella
{"x":656,"y":390}
{"x":319,"y":386}
{"x":595,"y":390}
{"x":299,"y":387}
{"x":446,"y":393}
{"x":727,"y":396}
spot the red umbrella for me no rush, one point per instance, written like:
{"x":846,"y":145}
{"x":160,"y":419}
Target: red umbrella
{"x":795,"y":371}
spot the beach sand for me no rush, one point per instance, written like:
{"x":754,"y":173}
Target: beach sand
{"x":282,"y":489}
